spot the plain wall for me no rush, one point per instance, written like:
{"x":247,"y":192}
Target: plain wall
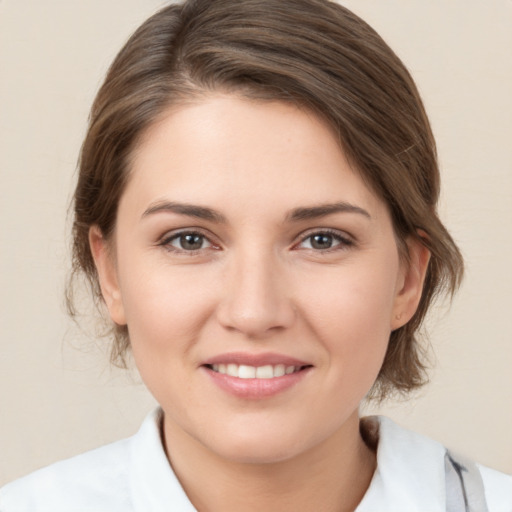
{"x":58,"y":395}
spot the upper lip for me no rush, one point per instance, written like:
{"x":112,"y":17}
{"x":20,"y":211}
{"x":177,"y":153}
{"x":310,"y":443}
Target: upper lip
{"x":264,"y":359}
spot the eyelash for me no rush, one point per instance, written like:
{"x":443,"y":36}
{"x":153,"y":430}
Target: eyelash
{"x":343,"y":242}
{"x":168,"y":239}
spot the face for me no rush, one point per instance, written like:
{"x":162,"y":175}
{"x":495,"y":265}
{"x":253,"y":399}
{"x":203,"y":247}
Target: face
{"x":258,"y":276}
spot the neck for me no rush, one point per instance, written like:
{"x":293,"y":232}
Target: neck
{"x":332,"y":477}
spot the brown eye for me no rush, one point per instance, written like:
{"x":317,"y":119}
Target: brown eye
{"x":188,"y":242}
{"x":324,"y":241}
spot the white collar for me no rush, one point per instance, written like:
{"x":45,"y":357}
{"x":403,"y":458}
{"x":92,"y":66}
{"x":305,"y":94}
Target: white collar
{"x":410,"y":472}
{"x":153,"y":484}
{"x":409,"y":475}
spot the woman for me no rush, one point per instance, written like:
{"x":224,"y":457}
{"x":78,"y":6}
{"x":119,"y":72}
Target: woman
{"x":256,"y":209}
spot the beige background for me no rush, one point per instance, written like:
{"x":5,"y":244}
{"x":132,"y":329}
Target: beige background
{"x":58,"y":395}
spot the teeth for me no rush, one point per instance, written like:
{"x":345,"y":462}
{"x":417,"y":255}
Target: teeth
{"x":254,"y":372}
{"x":246,"y":372}
{"x":279,"y":370}
{"x":264,"y":372}
{"x":232,"y":370}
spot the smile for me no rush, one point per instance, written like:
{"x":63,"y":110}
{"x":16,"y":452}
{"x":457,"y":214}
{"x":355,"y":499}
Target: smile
{"x":255,"y":377}
{"x":243,"y":371}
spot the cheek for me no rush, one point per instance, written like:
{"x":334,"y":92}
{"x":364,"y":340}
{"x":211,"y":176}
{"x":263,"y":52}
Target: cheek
{"x":165,"y":307}
{"x":350,"y":312}
{"x":165,"y":313}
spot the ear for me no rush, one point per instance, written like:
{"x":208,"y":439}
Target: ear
{"x":410,"y":284}
{"x":107,"y":274}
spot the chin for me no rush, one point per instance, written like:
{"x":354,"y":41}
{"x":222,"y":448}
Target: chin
{"x":259,"y":443}
{"x":257,"y":451}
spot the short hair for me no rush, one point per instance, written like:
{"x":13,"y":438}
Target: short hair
{"x":312,"y":53}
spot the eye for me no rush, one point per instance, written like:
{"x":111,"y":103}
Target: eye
{"x":324,"y":240}
{"x":187,"y":241}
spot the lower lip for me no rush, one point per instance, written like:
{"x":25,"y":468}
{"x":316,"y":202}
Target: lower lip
{"x":256,"y":389}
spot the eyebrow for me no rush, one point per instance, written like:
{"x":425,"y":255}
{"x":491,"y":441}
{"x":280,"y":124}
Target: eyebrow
{"x":323,"y":210}
{"x":190,"y":210}
{"x":295,"y":215}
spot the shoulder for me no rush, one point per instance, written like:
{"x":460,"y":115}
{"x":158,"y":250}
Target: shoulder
{"x":96,"y":480}
{"x":498,"y":489}
{"x":413,"y":474}
{"x":132,"y":475}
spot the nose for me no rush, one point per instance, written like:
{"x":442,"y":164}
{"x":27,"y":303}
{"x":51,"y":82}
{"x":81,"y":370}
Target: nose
{"x":255,"y":299}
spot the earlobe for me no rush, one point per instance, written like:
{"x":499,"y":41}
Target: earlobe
{"x":411,"y":283}
{"x":107,"y":275}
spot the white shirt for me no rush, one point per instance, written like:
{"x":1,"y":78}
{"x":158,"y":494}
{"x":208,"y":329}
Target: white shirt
{"x":134,"y":475}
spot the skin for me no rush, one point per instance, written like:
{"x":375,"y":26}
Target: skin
{"x":256,"y":284}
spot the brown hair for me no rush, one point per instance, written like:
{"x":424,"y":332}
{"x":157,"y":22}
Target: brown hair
{"x":313,"y":53}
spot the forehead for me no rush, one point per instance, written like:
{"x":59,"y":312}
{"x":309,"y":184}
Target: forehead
{"x":225,"y":150}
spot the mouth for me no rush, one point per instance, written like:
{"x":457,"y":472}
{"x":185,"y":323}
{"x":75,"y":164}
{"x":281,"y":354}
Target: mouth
{"x":264,"y":372}
{"x":256,"y":376}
